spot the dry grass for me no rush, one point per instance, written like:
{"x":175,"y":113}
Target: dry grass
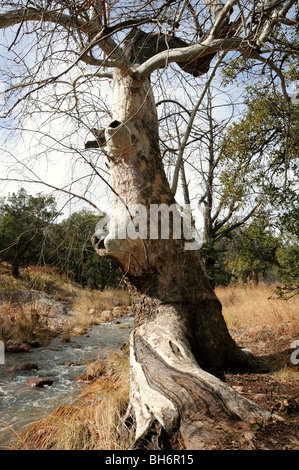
{"x":91,"y":422}
{"x":248,"y":306}
{"x":22,"y":320}
{"x":91,"y":304}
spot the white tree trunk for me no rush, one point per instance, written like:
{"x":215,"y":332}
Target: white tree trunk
{"x":180,"y":335}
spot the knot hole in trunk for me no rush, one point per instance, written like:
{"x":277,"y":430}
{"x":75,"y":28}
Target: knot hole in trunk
{"x":114,"y":124}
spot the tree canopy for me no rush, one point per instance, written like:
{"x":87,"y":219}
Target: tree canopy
{"x":58,"y":59}
{"x":26,"y":223}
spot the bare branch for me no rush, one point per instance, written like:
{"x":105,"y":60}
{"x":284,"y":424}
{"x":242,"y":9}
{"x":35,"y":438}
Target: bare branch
{"x":102,"y":38}
{"x":14,"y":17}
{"x":56,"y":188}
{"x":222,"y":17}
{"x":273,"y":20}
{"x":187,"y":54}
{"x":215,"y":7}
{"x":237,"y":224}
{"x":190,"y":124}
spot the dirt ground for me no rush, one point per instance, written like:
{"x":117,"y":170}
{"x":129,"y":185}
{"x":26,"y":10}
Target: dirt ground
{"x":275,"y":388}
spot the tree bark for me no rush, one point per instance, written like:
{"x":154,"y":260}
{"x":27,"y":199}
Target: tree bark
{"x":179,"y":336}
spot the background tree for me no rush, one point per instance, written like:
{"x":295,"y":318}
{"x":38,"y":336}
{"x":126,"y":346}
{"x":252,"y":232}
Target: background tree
{"x":72,"y":252}
{"x":264,"y":142}
{"x":179,"y":331}
{"x":254,"y":252}
{"x":243,"y":168}
{"x":288,"y":254}
{"x":26,"y":222}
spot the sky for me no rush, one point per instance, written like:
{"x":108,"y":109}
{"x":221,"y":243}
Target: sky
{"x":43,"y":151}
{"x":63,"y":165}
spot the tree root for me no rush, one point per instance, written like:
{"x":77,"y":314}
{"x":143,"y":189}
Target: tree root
{"x":171,"y":394}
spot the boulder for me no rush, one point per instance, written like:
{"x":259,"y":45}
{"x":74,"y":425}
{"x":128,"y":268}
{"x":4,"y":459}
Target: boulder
{"x":18,"y":348}
{"x":117,"y":311}
{"x":78,"y":331}
{"x":40,"y":382}
{"x":34,"y":344}
{"x":106,"y":314}
{"x":260,"y":397}
{"x":23,"y":366}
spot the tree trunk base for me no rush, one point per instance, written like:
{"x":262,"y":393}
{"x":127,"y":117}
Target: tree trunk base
{"x":174,"y":402}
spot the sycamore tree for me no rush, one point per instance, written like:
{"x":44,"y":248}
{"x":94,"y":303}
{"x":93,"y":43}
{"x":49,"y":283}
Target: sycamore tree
{"x":180,"y":335}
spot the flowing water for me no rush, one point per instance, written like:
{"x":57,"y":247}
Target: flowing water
{"x":21,"y":405}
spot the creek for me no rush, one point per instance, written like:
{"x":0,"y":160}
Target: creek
{"x":21,"y":405}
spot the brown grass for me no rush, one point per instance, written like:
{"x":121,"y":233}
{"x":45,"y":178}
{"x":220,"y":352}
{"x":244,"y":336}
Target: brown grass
{"x":21,"y":321}
{"x":248,"y":306}
{"x":91,"y":422}
{"x":87,"y":301}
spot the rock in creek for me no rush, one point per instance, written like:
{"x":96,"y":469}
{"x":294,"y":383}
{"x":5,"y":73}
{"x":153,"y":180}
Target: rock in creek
{"x":40,"y":382}
{"x":23,"y":366}
{"x":34,"y":344}
{"x":18,"y":348}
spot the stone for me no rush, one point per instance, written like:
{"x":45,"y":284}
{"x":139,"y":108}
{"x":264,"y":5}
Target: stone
{"x":118,"y":311}
{"x":260,"y":397}
{"x":106,"y":314}
{"x":40,"y":382}
{"x":78,"y":331}
{"x":23,"y":366}
{"x":18,"y":348}
{"x":255,"y":330}
{"x":34,"y":344}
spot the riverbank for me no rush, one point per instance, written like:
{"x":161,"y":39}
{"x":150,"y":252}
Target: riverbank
{"x":41,"y":305}
{"x":90,"y":420}
{"x":62,"y":371}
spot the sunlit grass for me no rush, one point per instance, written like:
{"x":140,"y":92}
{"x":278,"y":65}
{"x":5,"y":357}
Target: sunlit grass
{"x":24,"y":320}
{"x":248,"y":305}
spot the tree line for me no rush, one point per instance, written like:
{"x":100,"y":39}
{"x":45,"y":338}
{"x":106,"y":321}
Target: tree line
{"x":30,"y":233}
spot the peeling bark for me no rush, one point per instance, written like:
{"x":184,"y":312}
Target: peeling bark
{"x":180,"y":336}
{"x":171,"y":392}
